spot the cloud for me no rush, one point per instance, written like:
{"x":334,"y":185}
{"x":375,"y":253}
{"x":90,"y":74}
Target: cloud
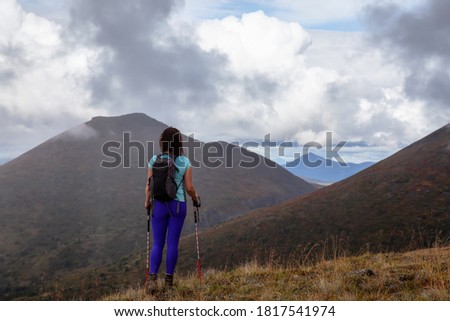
{"x":418,"y":40}
{"x":80,"y":132}
{"x":40,"y":77}
{"x":273,"y":90}
{"x":299,"y":84}
{"x":146,"y":63}
{"x":256,"y":43}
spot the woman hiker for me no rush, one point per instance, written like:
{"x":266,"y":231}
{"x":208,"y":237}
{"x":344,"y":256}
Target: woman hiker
{"x":168,"y":216}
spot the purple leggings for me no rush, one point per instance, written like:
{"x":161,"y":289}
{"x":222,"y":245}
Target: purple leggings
{"x":166,"y":220}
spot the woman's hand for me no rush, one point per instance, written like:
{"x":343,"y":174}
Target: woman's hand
{"x":148,"y":204}
{"x":196,"y":200}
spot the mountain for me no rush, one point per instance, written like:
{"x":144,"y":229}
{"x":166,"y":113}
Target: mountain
{"x":314,"y":168}
{"x":400,"y":203}
{"x":62,"y":212}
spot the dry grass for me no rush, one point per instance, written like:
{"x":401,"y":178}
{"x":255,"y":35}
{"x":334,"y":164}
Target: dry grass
{"x":419,"y":275}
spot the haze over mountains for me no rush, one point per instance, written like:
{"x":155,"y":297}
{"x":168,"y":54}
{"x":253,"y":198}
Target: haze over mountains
{"x":62,"y":212}
{"x":400,"y":203}
{"x":317,"y":169}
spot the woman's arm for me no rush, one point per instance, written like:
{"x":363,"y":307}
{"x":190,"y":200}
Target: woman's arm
{"x":148,"y":193}
{"x":190,"y":189}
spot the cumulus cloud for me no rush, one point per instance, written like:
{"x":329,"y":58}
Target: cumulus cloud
{"x":146,"y":63}
{"x":418,"y":40}
{"x":256,"y":43}
{"x":40,"y":76}
{"x":308,"y":83}
{"x":273,"y":90}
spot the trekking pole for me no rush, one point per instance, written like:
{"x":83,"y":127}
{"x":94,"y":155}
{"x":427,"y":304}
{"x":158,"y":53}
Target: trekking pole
{"x":148,"y":249}
{"x":197,"y":204}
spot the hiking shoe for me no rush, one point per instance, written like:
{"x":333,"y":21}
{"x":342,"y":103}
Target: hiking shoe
{"x":152,"y":283}
{"x":169,"y":282}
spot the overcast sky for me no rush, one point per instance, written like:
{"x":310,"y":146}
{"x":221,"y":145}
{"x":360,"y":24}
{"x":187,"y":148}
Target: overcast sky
{"x":374,"y":75}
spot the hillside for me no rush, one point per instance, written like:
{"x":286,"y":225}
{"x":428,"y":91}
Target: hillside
{"x":419,"y":275}
{"x":62,"y":212}
{"x":400,"y":203}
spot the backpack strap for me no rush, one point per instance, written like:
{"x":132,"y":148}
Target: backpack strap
{"x":150,"y":185}
{"x":184,"y":190}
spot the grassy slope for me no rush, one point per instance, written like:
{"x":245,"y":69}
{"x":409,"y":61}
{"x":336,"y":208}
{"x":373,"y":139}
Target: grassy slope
{"x":419,"y":275}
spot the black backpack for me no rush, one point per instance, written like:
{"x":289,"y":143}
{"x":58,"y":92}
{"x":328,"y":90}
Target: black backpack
{"x":162,"y":183}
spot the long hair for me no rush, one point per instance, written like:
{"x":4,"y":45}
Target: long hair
{"x":171,"y":142}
